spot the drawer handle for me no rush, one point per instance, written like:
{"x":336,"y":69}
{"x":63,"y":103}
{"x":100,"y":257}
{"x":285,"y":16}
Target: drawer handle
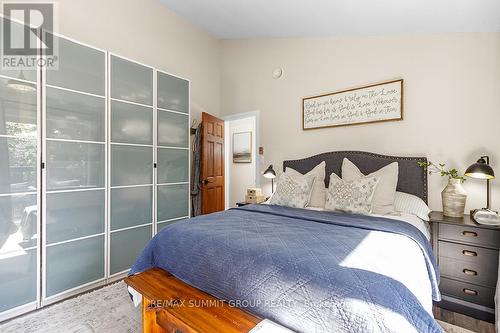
{"x":469,"y":253}
{"x":469,"y":272}
{"x":469,"y":233}
{"x":470,"y":291}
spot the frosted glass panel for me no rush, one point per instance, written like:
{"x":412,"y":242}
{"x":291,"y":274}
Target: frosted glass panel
{"x":79,"y":68}
{"x":131,"y":206}
{"x":21,"y":74}
{"x":126,"y":246}
{"x":172,"y":202}
{"x":18,"y":31}
{"x":172,"y":165}
{"x":72,"y":264}
{"x":18,"y":161}
{"x":18,"y":223}
{"x":131,"y":82}
{"x":173,"y":93}
{"x":75,"y":116}
{"x":17,"y":278}
{"x":131,"y":123}
{"x":17,"y":165}
{"x":173,"y":129}
{"x":131,"y":165}
{"x":74,"y":165}
{"x":17,"y":110}
{"x":74,"y":214}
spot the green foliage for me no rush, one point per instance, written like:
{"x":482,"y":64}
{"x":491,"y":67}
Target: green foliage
{"x":440,"y":169}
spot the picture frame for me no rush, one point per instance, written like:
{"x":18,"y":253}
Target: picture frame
{"x":242,"y":147}
{"x":375,"y":103}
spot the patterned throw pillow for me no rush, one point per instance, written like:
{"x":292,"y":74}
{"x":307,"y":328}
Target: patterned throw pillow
{"x":383,"y":197}
{"x":292,"y":191}
{"x":353,"y":196}
{"x":318,"y":194}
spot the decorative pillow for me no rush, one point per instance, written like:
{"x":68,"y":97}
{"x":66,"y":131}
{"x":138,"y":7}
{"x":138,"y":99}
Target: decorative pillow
{"x":292,"y":191}
{"x":318,"y":194}
{"x":353,"y":196}
{"x":411,"y":204}
{"x":383,"y":198}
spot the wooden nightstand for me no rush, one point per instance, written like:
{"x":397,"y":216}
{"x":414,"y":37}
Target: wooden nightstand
{"x":467,"y":255}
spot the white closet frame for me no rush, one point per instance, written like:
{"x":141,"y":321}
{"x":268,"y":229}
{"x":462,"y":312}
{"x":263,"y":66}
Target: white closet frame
{"x":42,"y":299}
{"x":120,"y":275}
{"x":158,"y":109}
{"x":19,"y":310}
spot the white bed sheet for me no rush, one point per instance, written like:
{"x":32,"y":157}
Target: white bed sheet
{"x":411,"y":219}
{"x":405,"y":217}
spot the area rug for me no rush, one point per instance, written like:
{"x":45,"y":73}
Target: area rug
{"x":106,"y":310}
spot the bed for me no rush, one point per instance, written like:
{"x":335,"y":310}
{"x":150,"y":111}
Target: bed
{"x":310,"y":270}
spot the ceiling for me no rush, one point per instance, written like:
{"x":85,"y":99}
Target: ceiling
{"x":233,"y":19}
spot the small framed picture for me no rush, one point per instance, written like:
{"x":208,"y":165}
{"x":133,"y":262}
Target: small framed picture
{"x":242,"y":147}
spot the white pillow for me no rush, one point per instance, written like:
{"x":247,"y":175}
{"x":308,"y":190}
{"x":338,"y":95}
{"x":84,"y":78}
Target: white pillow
{"x":411,"y":204}
{"x":292,"y":191}
{"x":318,"y":194}
{"x":383,"y":198}
{"x":353,"y":196}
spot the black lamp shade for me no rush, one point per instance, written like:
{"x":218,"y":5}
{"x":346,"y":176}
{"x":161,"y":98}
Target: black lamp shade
{"x":270,"y":173}
{"x":481,"y":169}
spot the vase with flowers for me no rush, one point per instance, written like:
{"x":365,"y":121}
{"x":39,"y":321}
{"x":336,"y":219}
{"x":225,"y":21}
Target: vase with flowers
{"x":453,"y":195}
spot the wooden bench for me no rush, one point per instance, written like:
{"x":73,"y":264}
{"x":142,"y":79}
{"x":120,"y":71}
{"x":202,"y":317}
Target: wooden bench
{"x":170,"y":305}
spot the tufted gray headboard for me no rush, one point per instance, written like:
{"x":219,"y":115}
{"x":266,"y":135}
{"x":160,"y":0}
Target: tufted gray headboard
{"x":412,"y":178}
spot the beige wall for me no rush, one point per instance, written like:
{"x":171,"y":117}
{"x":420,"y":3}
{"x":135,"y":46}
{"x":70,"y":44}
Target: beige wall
{"x":240,"y":176}
{"x":148,"y":32}
{"x":452,"y":97}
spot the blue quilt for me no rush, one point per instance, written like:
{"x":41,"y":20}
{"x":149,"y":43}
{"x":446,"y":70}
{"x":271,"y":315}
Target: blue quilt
{"x":285,"y":264}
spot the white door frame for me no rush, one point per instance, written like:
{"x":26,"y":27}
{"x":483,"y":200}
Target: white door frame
{"x":227,"y":180}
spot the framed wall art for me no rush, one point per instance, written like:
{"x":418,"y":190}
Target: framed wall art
{"x":369,"y":104}
{"x":242,"y":147}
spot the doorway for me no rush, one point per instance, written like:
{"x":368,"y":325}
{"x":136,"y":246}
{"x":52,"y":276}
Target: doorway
{"x":241,"y":173}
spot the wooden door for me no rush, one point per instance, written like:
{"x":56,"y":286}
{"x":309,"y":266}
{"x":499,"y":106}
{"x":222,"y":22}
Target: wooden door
{"x":212,"y":164}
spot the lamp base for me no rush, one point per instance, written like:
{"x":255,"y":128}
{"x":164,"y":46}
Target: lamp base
{"x":485,"y":216}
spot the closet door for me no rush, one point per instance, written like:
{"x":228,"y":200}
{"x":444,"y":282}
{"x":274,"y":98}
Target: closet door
{"x":172,"y":149}
{"x":74,"y":220}
{"x":19,"y":186}
{"x":131,"y":171}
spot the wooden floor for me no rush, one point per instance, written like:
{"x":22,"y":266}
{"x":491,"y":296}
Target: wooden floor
{"x":464,"y":321}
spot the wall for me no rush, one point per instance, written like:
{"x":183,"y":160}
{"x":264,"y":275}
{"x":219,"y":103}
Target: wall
{"x":148,"y":32}
{"x":452,"y":97}
{"x":239,"y":176}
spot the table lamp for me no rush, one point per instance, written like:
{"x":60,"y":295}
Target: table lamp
{"x":482,"y":170}
{"x":270,"y":174}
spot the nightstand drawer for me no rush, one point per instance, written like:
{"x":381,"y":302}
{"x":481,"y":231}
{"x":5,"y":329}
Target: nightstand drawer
{"x":468,"y":292}
{"x":469,"y":271}
{"x":480,"y":256}
{"x":479,"y":236}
